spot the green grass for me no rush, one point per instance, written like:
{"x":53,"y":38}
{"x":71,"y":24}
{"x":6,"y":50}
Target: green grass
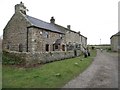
{"x":0,"y":75}
{"x":44,"y":76}
{"x":0,"y":70}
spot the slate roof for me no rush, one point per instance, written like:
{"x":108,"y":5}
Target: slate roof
{"x":42,"y":24}
{"x":117,"y":34}
{"x":48,"y":26}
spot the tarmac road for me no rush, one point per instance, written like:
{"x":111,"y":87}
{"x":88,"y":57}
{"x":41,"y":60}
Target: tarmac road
{"x":102,"y":73}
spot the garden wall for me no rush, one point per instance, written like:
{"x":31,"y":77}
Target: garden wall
{"x":29,"y":59}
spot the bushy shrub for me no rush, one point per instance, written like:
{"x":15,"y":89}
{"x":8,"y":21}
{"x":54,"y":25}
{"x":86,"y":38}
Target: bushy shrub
{"x":11,"y":58}
{"x":108,"y":49}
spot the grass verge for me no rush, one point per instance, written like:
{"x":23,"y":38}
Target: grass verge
{"x":0,"y":70}
{"x":51,"y":75}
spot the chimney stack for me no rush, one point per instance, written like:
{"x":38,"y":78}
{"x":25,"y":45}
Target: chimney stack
{"x":52,"y":20}
{"x":69,"y":27}
{"x":79,"y":32}
{"x":20,"y":8}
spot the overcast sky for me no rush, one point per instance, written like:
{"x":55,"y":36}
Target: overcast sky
{"x":95,"y":19}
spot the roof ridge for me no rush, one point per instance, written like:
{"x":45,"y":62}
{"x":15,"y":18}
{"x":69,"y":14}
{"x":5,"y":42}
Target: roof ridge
{"x":66,"y":28}
{"x":42,"y":24}
{"x":37,"y":19}
{"x":52,"y":24}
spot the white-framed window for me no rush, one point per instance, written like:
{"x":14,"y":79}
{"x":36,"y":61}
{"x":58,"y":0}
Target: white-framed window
{"x":46,"y":34}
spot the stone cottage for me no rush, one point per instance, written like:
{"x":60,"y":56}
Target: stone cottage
{"x":115,"y":42}
{"x":24,"y":33}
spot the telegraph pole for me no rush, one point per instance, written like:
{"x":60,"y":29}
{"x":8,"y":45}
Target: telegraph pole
{"x":100,"y":41}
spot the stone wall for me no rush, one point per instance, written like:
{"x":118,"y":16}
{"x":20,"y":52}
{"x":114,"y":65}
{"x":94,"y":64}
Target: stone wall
{"x":83,"y":41}
{"x":76,"y":38}
{"x":115,"y":45}
{"x":72,"y":37}
{"x":30,"y":59}
{"x":37,"y":39}
{"x":15,"y":33}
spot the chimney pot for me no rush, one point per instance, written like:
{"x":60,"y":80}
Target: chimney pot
{"x":52,"y":20}
{"x":20,"y":8}
{"x":79,"y":32}
{"x":68,"y":26}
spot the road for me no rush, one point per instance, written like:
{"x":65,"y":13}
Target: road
{"x":102,"y":73}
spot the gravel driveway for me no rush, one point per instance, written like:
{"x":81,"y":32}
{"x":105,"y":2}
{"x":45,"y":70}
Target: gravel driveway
{"x":102,"y":73}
